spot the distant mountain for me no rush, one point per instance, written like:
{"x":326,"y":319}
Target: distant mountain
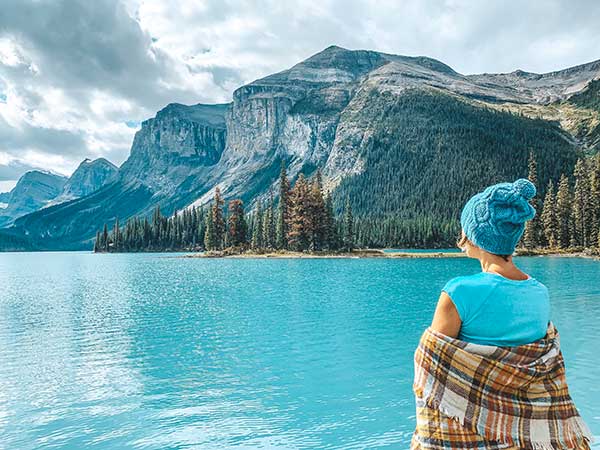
{"x":403,"y":136}
{"x":34,"y":190}
{"x":87,"y":178}
{"x":171,"y":161}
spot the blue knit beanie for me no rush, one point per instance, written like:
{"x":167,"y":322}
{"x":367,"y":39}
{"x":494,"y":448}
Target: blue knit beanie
{"x":494,"y":219}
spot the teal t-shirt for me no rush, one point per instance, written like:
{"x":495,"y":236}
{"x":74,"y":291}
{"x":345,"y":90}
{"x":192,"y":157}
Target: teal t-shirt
{"x":495,"y":310}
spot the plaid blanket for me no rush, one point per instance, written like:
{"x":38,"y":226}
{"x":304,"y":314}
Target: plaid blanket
{"x":472,"y":396}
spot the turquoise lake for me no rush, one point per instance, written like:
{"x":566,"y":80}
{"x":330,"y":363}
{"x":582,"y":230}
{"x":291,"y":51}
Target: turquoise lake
{"x":153,"y":351}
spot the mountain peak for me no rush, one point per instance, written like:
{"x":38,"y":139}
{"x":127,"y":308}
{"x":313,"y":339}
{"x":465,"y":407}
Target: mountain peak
{"x":90,"y":176}
{"x":95,"y":162}
{"x":33,"y":191}
{"x":333,"y":49}
{"x":210,"y":114}
{"x":333,"y":64}
{"x":40,"y":174}
{"x":353,"y":61}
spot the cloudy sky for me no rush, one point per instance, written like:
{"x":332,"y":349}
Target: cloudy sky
{"x":78,"y":76}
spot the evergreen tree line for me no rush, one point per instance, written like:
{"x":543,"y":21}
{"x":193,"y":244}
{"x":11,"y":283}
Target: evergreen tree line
{"x":302,"y":220}
{"x":184,"y":230}
{"x":568,"y":216}
{"x":421,"y":231}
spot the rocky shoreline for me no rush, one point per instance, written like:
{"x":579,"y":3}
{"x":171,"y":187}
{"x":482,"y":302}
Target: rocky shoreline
{"x":375,"y":253}
{"x":587,"y":253}
{"x":366,"y":253}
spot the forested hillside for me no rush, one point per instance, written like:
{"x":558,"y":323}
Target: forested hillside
{"x":430,"y":152}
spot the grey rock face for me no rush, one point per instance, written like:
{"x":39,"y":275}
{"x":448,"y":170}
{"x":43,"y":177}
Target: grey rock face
{"x":34,"y":190}
{"x":276,"y":106}
{"x":542,"y":88}
{"x":169,"y":147}
{"x":292,"y":116}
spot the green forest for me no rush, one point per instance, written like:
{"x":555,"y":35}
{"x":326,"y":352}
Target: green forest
{"x":303,"y":219}
{"x":429,"y":152}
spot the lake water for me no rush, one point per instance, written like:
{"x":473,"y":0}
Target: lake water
{"x":152,"y":352}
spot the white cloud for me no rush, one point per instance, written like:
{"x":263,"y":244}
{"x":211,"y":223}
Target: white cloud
{"x":77,"y":77}
{"x":10,"y":54}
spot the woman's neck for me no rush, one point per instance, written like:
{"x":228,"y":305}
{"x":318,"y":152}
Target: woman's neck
{"x":496,"y":264}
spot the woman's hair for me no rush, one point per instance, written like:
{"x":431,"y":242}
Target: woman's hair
{"x":464,"y":240}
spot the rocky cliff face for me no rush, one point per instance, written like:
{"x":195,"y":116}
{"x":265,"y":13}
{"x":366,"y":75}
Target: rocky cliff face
{"x":34,"y":190}
{"x":293,"y":114}
{"x":289,"y":116}
{"x":325,"y":112}
{"x":171,"y":146}
{"x":87,"y":178}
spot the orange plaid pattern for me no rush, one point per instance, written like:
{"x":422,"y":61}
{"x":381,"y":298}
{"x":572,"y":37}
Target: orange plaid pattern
{"x":473,"y":396}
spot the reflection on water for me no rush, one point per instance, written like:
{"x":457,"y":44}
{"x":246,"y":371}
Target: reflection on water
{"x":148,"y":351}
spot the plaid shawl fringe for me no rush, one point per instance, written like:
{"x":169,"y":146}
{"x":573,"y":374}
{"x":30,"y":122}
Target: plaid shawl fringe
{"x":511,"y":397}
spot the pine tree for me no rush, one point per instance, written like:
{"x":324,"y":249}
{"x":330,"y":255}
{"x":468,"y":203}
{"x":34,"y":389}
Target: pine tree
{"x":573,"y":238}
{"x":257,"y":224}
{"x":298,"y":226}
{"x":268,"y":224}
{"x":282,"y":215}
{"x":156,"y":226}
{"x":97,"y":243}
{"x":563,"y":212}
{"x":316,"y":213}
{"x":548,"y":217}
{"x":237,"y":223}
{"x":272,"y":221}
{"x":201,"y":226}
{"x":532,"y":235}
{"x":581,"y":206}
{"x":209,"y":234}
{"x":329,"y":226}
{"x":595,"y":199}
{"x":226,"y":239}
{"x":348,"y":226}
{"x":218,"y":220}
{"x":116,"y":235}
{"x":105,"y":238}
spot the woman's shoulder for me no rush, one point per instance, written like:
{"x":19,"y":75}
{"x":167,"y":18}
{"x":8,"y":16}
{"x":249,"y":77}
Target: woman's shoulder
{"x":486,"y":281}
{"x":466,"y":292}
{"x":475,"y":279}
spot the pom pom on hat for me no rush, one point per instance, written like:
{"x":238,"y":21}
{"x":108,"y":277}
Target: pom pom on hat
{"x":525,"y":188}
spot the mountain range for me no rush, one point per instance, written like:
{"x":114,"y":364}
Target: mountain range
{"x":400,"y":136}
{"x":38,"y":189}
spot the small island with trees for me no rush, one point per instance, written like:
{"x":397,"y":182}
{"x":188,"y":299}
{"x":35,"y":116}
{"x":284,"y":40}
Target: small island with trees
{"x":303,"y":222}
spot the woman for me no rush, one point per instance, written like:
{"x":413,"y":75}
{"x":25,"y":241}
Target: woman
{"x":489,"y":373}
